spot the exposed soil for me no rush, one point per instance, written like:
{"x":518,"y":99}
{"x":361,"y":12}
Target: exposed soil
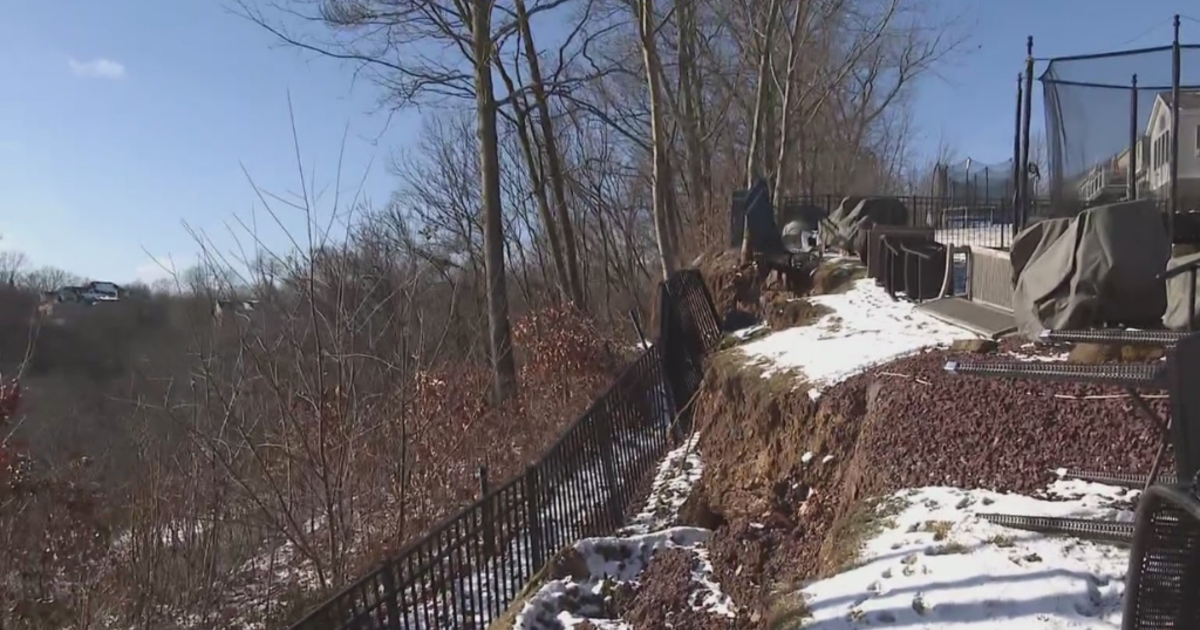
{"x":662,"y":598}
{"x":734,"y":287}
{"x":781,"y":311}
{"x":782,"y":517}
{"x":836,"y":277}
{"x":747,"y":293}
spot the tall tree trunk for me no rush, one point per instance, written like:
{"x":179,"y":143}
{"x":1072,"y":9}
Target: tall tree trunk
{"x":762,"y":95}
{"x":553,"y":161}
{"x":785,"y":108}
{"x":536,"y":177}
{"x":753,"y":157}
{"x":661,"y":175}
{"x":689,"y":94}
{"x":504,"y":365}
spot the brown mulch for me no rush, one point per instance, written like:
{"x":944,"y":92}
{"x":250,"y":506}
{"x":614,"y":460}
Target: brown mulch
{"x":905,"y":424}
{"x":998,"y":434}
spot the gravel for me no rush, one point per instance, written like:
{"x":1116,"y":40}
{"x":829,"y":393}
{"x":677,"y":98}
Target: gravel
{"x":928,"y":427}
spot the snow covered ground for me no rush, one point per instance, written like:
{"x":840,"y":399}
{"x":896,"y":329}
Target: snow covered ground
{"x":976,"y":236}
{"x":935,"y":564}
{"x":678,"y":473}
{"x":866,"y":328}
{"x":932,"y":563}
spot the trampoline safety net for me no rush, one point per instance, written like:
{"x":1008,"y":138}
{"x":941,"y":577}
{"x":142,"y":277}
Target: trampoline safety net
{"x":973,"y":182}
{"x":1101,"y":131}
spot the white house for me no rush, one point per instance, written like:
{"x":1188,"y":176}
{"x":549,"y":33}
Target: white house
{"x":1108,"y":180}
{"x":1158,"y":133}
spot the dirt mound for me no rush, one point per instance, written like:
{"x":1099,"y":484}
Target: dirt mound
{"x":1097,"y":353}
{"x":751,"y":293}
{"x":667,"y":583}
{"x":772,"y":459}
{"x":780,"y":311}
{"x":734,"y":286}
{"x":836,"y":276}
{"x":786,"y":477}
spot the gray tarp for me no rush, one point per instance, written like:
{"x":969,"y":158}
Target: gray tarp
{"x":1176,"y":317}
{"x":753,"y":206}
{"x":857,"y":214}
{"x":1099,"y":268}
{"x":1033,"y":239}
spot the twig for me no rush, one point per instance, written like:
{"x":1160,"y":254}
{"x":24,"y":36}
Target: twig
{"x":907,"y":376}
{"x":1108,"y":396}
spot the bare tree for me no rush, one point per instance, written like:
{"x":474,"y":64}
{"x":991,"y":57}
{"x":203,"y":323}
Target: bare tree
{"x":537,"y":177}
{"x":49,"y":279}
{"x":755,"y":153}
{"x":553,"y":160}
{"x":662,"y":174}
{"x":391,"y":46}
{"x":12,"y":265}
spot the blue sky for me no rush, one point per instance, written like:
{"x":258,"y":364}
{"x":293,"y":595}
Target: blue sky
{"x":121,"y":120}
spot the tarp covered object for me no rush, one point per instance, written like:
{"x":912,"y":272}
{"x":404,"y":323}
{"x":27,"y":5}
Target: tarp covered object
{"x":855,"y":215}
{"x":1034,"y":238}
{"x":754,"y":207}
{"x":1101,"y":268}
{"x":1178,"y":294}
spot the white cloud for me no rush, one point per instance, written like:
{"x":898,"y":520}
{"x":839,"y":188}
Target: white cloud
{"x":98,"y":68}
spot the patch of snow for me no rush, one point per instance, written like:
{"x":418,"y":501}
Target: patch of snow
{"x":610,"y":562}
{"x":1050,"y":358}
{"x":866,"y":328}
{"x":806,"y":458}
{"x":749,"y":331}
{"x":936,"y":564}
{"x":678,"y":473}
{"x":827,"y":459}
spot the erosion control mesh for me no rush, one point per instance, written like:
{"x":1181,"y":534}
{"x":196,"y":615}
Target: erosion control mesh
{"x":1099,"y":127}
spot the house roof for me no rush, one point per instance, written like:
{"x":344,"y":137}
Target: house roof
{"x":1188,"y":99}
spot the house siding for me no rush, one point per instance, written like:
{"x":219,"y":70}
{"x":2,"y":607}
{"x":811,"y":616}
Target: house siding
{"x":1189,"y":153}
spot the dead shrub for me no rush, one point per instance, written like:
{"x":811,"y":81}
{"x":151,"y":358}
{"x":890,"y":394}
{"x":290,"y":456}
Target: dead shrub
{"x":54,"y":538}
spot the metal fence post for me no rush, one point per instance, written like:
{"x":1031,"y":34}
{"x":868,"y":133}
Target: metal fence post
{"x":637,"y":327}
{"x":394,"y":613}
{"x":608,"y":455}
{"x":712,"y":307}
{"x":533,"y":515}
{"x":666,"y":341}
{"x":489,"y":528}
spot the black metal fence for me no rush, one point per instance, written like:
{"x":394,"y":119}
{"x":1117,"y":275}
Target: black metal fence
{"x":979,"y":222}
{"x":468,"y":569}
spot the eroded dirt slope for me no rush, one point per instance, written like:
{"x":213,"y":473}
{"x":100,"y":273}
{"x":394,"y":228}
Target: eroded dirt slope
{"x":786,"y":477}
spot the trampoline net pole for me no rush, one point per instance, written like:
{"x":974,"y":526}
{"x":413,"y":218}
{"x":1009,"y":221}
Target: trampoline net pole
{"x":1027,"y":193}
